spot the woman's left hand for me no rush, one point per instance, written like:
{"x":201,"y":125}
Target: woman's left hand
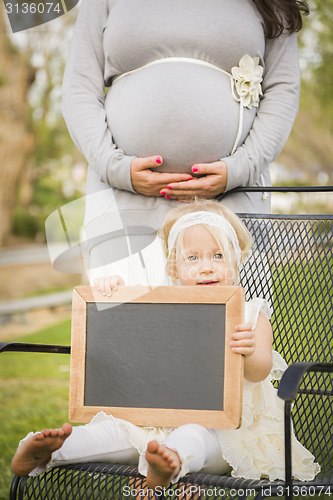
{"x":212,"y":183}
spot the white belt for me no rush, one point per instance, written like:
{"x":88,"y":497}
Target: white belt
{"x":249,"y":73}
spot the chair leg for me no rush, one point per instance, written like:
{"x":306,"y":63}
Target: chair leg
{"x":14,"y":487}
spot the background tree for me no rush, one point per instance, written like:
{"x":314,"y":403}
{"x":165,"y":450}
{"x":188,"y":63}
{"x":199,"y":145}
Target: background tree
{"x":310,"y":146}
{"x":50,"y":157}
{"x":322,"y":63}
{"x":16,"y":139}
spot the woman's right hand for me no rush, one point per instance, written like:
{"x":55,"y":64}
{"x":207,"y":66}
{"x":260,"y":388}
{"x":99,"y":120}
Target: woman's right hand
{"x":107,"y":284}
{"x":150,"y":183}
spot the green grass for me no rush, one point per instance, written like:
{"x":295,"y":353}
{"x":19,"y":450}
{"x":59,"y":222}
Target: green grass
{"x":33,"y":394}
{"x":46,"y":291}
{"x":302,"y":325}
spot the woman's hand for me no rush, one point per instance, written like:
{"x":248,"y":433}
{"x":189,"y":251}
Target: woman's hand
{"x":213,"y":183}
{"x":108,"y":284}
{"x":150,"y":183}
{"x":243,"y":341}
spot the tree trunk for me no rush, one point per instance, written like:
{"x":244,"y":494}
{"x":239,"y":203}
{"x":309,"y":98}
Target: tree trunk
{"x":16,"y":141}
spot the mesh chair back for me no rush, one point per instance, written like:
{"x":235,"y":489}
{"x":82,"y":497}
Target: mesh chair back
{"x":292,"y":267}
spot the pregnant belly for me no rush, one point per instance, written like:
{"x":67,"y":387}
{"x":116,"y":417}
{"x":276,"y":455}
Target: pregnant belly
{"x":181,"y":111}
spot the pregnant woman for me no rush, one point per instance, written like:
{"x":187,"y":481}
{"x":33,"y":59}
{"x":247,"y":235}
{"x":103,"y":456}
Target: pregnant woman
{"x":201,"y":98}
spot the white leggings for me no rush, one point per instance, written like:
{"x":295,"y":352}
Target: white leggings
{"x":108,"y":442}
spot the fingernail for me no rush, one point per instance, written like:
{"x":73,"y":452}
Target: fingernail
{"x":169,"y":187}
{"x":158,"y":160}
{"x":195,"y":169}
{"x":168,"y":197}
{"x":162,"y":193}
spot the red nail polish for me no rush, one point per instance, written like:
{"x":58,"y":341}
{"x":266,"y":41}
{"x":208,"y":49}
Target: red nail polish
{"x":168,"y":197}
{"x":169,"y":187}
{"x":162,"y":193}
{"x":158,"y":160}
{"x":195,"y":169}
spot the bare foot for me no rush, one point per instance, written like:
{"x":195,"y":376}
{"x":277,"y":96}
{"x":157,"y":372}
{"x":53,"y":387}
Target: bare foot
{"x":37,"y":450}
{"x":163,"y":465}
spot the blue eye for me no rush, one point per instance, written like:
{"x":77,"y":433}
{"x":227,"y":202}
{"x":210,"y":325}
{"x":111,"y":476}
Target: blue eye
{"x":218,"y":256}
{"x":192,"y":258}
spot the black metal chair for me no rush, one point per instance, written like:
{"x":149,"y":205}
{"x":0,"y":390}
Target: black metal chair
{"x":291,"y":266}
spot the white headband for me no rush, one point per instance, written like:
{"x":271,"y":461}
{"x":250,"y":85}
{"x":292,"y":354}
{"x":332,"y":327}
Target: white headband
{"x":209,"y":218}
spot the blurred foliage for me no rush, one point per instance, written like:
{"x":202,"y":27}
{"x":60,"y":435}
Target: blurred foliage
{"x":317,"y":39}
{"x":308,"y":153}
{"x":26,"y":224}
{"x":49,"y":181}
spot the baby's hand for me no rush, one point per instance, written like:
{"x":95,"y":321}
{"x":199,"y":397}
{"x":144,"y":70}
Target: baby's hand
{"x":107,"y":284}
{"x":244,"y":340}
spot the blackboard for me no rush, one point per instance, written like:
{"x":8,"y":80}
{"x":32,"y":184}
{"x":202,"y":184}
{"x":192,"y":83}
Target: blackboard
{"x":157,"y":356}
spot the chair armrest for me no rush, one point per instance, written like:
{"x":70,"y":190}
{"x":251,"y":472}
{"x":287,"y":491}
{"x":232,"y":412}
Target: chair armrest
{"x":293,"y":375}
{"x":43,"y":348}
{"x":288,"y":389}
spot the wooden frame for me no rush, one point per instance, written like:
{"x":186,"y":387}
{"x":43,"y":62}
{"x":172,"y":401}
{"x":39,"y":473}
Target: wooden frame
{"x":231,"y":297}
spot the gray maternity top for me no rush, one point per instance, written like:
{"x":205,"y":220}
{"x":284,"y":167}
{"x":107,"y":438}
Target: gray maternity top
{"x":180,"y":110}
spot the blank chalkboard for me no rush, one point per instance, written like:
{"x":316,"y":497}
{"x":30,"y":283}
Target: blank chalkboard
{"x":157,"y":356}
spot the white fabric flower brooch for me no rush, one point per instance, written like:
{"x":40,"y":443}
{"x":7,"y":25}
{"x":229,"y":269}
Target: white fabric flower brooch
{"x":247,"y":79}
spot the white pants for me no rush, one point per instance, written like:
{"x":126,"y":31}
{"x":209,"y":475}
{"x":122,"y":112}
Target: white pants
{"x":108,"y":442}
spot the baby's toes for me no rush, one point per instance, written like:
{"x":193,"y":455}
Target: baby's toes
{"x":39,"y":436}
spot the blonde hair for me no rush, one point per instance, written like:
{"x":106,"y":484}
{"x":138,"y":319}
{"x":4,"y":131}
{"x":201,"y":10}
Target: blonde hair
{"x":244,"y":237}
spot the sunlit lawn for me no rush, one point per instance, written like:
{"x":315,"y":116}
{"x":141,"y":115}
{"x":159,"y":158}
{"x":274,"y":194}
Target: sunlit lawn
{"x":33,"y":394}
